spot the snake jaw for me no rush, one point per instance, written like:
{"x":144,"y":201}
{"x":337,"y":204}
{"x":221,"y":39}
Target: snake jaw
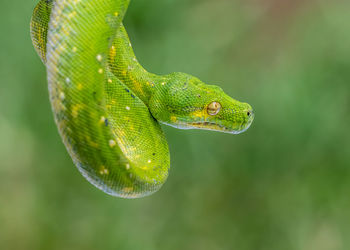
{"x":230,"y":128}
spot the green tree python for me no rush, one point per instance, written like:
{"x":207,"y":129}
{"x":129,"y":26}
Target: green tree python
{"x":108,"y":108}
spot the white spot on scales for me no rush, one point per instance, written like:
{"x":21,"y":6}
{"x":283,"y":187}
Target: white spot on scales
{"x":99,"y":58}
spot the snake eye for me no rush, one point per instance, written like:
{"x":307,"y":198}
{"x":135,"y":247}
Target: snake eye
{"x":213,"y":108}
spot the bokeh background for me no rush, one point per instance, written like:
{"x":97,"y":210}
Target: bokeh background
{"x":284,"y":184}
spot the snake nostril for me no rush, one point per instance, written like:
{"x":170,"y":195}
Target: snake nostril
{"x":250,"y":114}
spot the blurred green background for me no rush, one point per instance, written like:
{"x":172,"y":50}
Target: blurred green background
{"x":282,"y":185}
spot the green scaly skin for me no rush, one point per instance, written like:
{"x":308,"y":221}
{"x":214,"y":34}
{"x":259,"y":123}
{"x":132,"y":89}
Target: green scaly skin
{"x":108,"y":108}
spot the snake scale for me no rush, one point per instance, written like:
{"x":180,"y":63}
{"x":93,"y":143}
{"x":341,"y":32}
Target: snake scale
{"x":108,"y":108}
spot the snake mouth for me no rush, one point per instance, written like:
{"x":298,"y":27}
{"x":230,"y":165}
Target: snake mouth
{"x":239,"y":128}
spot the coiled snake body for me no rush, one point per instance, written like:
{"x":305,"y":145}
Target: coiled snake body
{"x":108,"y":108}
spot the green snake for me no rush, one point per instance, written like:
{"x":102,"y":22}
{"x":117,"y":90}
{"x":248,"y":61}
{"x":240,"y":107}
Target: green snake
{"x":108,"y":108}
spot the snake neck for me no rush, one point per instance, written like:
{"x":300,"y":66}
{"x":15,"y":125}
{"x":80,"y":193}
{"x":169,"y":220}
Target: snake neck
{"x":124,"y":65}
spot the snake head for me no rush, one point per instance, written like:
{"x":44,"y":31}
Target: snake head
{"x":185,"y":102}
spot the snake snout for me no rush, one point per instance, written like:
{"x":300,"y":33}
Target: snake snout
{"x":250,"y":117}
{"x":248,"y":114}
